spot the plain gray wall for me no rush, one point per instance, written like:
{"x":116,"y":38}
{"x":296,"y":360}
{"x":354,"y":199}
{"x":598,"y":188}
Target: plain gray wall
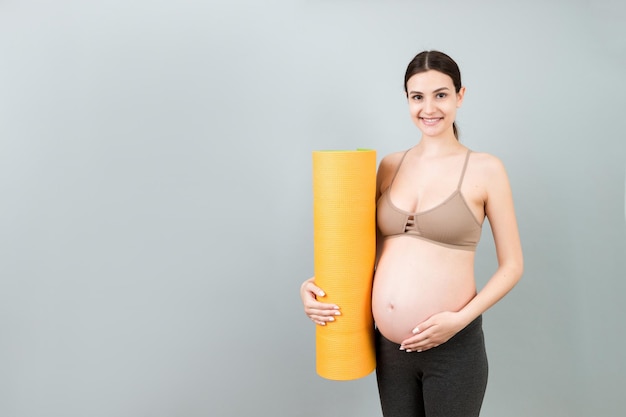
{"x":155,"y":196}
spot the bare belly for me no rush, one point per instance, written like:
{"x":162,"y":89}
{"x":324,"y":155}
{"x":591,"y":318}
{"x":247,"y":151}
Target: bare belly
{"x":415,"y":279}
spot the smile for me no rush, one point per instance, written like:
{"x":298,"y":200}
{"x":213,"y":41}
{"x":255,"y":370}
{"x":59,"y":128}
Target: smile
{"x":430,"y":121}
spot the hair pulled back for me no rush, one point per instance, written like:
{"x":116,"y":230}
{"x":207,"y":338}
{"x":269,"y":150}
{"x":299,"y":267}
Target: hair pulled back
{"x":437,"y":61}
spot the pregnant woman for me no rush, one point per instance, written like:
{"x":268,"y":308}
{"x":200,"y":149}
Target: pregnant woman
{"x":432,"y":200}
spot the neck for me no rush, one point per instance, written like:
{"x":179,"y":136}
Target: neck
{"x":440,"y":145}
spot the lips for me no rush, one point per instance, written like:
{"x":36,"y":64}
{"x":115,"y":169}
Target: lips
{"x":431,"y":121}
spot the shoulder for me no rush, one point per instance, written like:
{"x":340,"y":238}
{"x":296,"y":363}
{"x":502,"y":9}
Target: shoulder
{"x":487,"y":173}
{"x":390,"y":161}
{"x":486,"y":164}
{"x":490,"y":175}
{"x":387,"y":169}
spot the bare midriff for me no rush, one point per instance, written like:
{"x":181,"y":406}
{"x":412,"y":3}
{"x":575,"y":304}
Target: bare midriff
{"x":416,"y":279}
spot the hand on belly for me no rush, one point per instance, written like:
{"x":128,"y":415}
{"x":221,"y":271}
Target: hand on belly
{"x":398,"y":316}
{"x":433,"y":332}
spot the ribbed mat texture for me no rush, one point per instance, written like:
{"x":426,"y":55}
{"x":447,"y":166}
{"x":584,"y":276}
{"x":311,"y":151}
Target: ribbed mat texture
{"x":344,"y":240}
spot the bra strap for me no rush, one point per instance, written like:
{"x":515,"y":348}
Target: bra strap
{"x":397,"y":169}
{"x":458,"y":187}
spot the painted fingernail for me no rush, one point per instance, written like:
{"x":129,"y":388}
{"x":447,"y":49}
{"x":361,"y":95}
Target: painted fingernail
{"x":409,"y":350}
{"x":419,"y":350}
{"x":331,"y":319}
{"x":321,"y":293}
{"x":337,"y":313}
{"x":416,"y":330}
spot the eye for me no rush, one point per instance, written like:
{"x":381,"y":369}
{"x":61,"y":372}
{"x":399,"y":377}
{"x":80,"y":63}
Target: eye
{"x":442,"y":95}
{"x":416,"y":97}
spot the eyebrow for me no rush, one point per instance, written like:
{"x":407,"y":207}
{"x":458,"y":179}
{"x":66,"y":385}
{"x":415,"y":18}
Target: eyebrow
{"x":434,"y":92}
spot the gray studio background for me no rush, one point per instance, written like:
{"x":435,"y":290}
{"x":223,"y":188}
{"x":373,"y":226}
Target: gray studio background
{"x":155,"y":196}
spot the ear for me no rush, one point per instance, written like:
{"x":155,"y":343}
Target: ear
{"x":459,"y":97}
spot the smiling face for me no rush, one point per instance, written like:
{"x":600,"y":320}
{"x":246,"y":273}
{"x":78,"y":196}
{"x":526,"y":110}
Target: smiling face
{"x":433,"y":102}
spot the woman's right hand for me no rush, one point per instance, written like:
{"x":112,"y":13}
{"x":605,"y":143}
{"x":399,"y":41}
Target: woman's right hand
{"x":320,"y":313}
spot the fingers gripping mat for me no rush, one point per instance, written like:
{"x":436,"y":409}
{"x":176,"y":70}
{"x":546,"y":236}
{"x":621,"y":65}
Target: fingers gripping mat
{"x":344,"y":241}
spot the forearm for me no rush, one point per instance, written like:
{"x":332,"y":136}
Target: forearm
{"x":502,"y":281}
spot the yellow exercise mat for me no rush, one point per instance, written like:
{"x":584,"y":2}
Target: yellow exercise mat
{"x":344,"y":240}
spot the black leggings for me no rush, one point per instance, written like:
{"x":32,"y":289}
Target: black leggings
{"x":447,"y":381}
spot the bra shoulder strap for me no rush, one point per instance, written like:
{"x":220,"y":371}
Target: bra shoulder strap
{"x":397,"y":168}
{"x":464,"y":168}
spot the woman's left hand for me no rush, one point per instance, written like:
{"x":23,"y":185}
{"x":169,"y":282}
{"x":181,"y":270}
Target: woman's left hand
{"x":431,"y":333}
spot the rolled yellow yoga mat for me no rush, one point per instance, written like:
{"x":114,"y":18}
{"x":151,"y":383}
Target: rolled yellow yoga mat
{"x":344,"y":240}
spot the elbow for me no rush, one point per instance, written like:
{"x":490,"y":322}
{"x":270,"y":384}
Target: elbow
{"x":516,"y":270}
{"x":519,"y":271}
{"x":513,"y":269}
{"x":512,"y":262}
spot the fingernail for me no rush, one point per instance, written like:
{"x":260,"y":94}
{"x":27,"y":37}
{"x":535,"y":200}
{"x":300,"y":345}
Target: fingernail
{"x":416,"y":330}
{"x":322,"y":293}
{"x":337,"y":313}
{"x":331,"y":319}
{"x":409,"y":350}
{"x":401,"y":347}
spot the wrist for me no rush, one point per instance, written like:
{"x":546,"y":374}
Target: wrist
{"x":465,"y":317}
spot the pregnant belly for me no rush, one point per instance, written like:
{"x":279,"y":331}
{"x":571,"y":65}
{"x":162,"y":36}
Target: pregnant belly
{"x":415,"y":280}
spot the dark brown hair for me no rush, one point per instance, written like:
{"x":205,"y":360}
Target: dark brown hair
{"x":438,"y":61}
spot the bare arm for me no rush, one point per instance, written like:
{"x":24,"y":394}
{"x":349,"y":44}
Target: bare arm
{"x":501,"y":214}
{"x":500,"y":211}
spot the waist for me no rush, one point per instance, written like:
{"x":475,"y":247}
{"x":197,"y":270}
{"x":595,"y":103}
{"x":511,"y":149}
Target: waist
{"x":475,"y":326}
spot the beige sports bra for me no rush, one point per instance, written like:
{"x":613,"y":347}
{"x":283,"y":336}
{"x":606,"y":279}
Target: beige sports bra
{"x":451,"y":223}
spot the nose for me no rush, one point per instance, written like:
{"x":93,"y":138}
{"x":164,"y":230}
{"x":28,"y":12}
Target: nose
{"x":429,"y":106}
